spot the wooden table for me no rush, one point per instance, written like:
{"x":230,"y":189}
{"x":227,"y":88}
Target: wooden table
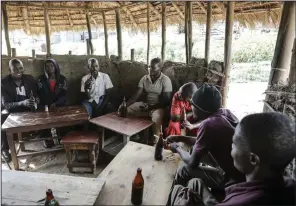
{"x":26,"y":188}
{"x":119,"y":174}
{"x":31,"y":121}
{"x":128,"y":126}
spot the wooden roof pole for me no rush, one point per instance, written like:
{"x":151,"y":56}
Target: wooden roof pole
{"x":89,"y":32}
{"x":292,"y":74}
{"x":163,"y":30}
{"x":47,"y":31}
{"x":106,"y":35}
{"x":6,"y":32}
{"x":148,"y":32}
{"x":119,"y":34}
{"x":186,"y":34}
{"x":178,"y":10}
{"x":26,"y":19}
{"x":69,"y":17}
{"x":227,"y":49}
{"x":282,"y":52}
{"x":208,"y":31}
{"x":190,"y":29}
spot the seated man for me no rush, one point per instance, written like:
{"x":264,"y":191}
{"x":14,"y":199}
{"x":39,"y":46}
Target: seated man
{"x":263,"y":145}
{"x":181,"y":102}
{"x":52,"y":86}
{"x":214,"y":136}
{"x":158,"y":90}
{"x":52,"y":89}
{"x":95,"y":87}
{"x":16,"y":90}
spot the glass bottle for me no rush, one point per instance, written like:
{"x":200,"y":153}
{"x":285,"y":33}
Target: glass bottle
{"x":137,"y":188}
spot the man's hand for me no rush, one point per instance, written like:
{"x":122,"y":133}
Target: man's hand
{"x":188,"y":125}
{"x":173,"y":138}
{"x":119,"y":109}
{"x":87,"y":84}
{"x":174,"y":146}
{"x":28,"y":102}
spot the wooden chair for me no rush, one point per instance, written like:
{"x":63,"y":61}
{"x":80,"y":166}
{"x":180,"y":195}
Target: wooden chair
{"x":81,"y":140}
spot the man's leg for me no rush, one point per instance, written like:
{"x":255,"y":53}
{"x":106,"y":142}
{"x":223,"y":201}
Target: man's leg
{"x":4,"y":143}
{"x":157,"y":117}
{"x":88,"y":107}
{"x":211,"y":178}
{"x":135,"y":110}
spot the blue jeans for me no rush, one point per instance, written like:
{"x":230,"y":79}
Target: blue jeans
{"x":93,"y":107}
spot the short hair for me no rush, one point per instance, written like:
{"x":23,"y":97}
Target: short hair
{"x":14,"y":61}
{"x":157,"y":61}
{"x":188,"y":89}
{"x":271,"y":136}
{"x":92,"y":60}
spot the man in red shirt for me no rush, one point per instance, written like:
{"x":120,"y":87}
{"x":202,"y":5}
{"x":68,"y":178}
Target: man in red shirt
{"x":214,"y":137}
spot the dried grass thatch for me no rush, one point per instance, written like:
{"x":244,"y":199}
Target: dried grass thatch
{"x":71,"y":15}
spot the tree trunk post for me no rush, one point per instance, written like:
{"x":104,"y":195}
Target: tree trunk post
{"x":119,"y":34}
{"x":6,"y":32}
{"x":208,"y":31}
{"x":163,"y":30}
{"x":106,"y":35}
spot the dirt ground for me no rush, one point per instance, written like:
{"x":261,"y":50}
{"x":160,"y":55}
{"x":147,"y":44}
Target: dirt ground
{"x":243,"y":99}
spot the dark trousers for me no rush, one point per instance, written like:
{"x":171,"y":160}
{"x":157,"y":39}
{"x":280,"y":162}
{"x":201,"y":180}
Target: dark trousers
{"x":194,"y":193}
{"x":97,"y":109}
{"x":4,"y":143}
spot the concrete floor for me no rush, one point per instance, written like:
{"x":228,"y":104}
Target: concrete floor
{"x":51,"y":163}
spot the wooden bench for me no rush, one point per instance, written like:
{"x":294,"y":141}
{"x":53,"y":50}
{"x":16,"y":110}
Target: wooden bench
{"x":81,"y":140}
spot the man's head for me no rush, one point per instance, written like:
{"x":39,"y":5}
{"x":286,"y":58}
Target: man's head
{"x":263,"y":143}
{"x":93,"y":66}
{"x":155,"y":68}
{"x":16,"y":68}
{"x":206,"y":101}
{"x":187,"y":90}
{"x":50,"y":67}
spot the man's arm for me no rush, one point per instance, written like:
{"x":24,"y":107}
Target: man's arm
{"x":135,"y":96}
{"x":189,"y":140}
{"x":191,"y":160}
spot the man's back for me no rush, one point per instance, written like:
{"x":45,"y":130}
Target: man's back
{"x":215,"y":136}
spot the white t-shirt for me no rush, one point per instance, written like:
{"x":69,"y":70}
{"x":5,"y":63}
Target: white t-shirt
{"x":98,"y":86}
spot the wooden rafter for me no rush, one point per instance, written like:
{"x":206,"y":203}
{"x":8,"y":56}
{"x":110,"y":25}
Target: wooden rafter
{"x":155,"y":10}
{"x":69,"y":17}
{"x":178,"y":10}
{"x":26,"y":18}
{"x":129,"y":13}
{"x":201,"y":6}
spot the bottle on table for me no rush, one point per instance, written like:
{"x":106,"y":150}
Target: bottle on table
{"x":33,"y":108}
{"x":123,"y":111}
{"x":183,"y":129}
{"x":50,"y":200}
{"x":137,"y":188}
{"x":46,"y":108}
{"x":159,"y":147}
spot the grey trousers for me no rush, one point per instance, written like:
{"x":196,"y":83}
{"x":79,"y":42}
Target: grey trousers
{"x":211,"y":178}
{"x":196,"y":193}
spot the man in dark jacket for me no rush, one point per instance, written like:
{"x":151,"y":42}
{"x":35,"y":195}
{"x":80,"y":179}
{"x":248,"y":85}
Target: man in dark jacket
{"x":263,"y":145}
{"x":52,"y":89}
{"x":52,"y":86}
{"x":19,"y":94}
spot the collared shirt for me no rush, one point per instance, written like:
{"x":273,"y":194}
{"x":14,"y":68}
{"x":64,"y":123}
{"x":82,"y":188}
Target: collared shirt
{"x":98,"y":86}
{"x":154,"y":90}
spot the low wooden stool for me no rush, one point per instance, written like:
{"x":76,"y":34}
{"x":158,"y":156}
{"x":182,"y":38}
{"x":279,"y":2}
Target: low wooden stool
{"x":81,"y":140}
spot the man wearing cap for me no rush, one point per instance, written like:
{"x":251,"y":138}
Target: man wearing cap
{"x":212,"y":144}
{"x":16,"y":90}
{"x":95,"y":87}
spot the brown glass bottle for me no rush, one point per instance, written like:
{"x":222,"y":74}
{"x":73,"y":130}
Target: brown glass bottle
{"x":183,"y":129}
{"x":137,"y":188}
{"x":123,"y":109}
{"x":33,"y":109}
{"x":50,"y":200}
{"x":159,"y":147}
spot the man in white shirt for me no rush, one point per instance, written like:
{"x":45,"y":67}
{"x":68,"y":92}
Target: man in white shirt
{"x":158,"y":90}
{"x":95,"y":87}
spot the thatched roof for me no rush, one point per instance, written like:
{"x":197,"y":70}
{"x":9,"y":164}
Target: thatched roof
{"x":71,"y":15}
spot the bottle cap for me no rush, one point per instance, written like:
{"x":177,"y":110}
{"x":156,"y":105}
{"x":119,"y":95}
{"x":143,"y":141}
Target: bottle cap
{"x":139,"y":170}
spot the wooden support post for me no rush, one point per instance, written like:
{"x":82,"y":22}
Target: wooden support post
{"x":119,"y":34}
{"x":190,"y":30}
{"x":186,"y":34}
{"x":163,"y":30}
{"x":13,"y":52}
{"x":47,"y":32}
{"x":282,"y":52}
{"x":106,"y":35}
{"x":148,"y":31}
{"x":87,"y":47}
{"x":89,"y":32}
{"x":292,"y":74}
{"x":227,"y":49}
{"x":70,"y":52}
{"x":132,"y":55}
{"x":6,"y":32}
{"x":208,"y":31}
{"x":33,"y":53}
